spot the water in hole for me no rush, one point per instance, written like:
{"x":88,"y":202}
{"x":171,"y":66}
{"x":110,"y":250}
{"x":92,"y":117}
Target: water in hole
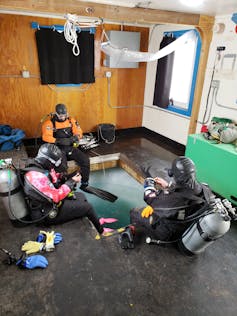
{"x":120,"y":183}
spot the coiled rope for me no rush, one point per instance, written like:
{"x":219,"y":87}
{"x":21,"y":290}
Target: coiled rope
{"x":74,"y":25}
{"x":70,"y":33}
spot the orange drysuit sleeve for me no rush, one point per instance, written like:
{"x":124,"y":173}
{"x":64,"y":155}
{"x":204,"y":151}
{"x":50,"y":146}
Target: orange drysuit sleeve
{"x":47,"y":132}
{"x":76,"y":129}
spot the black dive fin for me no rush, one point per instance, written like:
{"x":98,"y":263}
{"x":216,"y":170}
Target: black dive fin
{"x":105,"y":195}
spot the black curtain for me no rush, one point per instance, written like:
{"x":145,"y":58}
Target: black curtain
{"x":164,"y":75}
{"x":58,"y":64}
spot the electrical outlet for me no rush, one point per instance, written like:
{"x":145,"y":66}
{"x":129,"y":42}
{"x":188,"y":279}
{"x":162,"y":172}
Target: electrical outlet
{"x":108,"y":74}
{"x":215,"y":83}
{"x":25,"y":74}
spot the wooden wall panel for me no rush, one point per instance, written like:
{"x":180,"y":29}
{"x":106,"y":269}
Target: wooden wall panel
{"x":24,"y":102}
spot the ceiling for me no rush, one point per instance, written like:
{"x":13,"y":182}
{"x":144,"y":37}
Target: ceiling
{"x":208,"y":7}
{"x":129,"y":11}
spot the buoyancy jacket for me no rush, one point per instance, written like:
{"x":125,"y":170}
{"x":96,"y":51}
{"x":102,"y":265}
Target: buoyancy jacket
{"x":45,"y":191}
{"x":169,"y":203}
{"x":47,"y":185}
{"x":175,"y":209}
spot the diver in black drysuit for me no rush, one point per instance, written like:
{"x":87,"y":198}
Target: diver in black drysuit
{"x":172,"y":207}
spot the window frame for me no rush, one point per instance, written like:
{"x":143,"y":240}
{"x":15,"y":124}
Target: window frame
{"x":172,"y":107}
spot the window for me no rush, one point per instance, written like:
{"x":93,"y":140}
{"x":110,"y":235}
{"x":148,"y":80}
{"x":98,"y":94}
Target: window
{"x":183,"y":75}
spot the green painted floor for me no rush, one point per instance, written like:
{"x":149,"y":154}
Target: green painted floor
{"x":120,"y":183}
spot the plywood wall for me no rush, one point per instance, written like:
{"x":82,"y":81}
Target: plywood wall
{"x":24,"y":102}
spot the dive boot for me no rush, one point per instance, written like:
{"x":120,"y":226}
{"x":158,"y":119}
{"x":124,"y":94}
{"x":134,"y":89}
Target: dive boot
{"x":126,"y":239}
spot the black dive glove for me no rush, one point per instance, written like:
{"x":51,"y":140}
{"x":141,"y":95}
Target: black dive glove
{"x":67,"y":141}
{"x":74,"y":139}
{"x":71,"y":184}
{"x":64,"y":141}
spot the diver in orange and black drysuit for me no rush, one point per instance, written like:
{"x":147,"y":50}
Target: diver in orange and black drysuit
{"x":65,"y":132}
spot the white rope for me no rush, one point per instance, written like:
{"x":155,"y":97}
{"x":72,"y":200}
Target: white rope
{"x":71,"y":26}
{"x":70,"y":34}
{"x":123,"y":54}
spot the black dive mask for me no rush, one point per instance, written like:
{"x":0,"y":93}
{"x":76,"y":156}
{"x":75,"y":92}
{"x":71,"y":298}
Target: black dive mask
{"x":61,"y":112}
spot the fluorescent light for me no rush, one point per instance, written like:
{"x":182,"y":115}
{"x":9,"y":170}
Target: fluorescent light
{"x":192,"y":3}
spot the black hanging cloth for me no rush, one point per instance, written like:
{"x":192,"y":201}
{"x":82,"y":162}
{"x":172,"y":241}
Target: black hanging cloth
{"x":58,"y":64}
{"x":164,"y":75}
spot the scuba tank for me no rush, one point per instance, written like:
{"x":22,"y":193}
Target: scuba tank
{"x":11,"y":194}
{"x":209,"y":228}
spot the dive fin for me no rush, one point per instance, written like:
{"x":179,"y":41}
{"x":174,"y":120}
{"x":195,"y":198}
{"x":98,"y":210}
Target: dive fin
{"x":105,"y":195}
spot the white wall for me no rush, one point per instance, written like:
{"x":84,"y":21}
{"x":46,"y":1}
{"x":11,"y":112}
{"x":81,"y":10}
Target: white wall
{"x":227,"y":93}
{"x":176,"y":126}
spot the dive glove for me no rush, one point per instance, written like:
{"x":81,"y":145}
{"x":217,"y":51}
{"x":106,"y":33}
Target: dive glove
{"x":147,"y":211}
{"x":32,"y":247}
{"x":71,"y":196}
{"x":44,"y":241}
{"x":32,"y":262}
{"x":57,"y":238}
{"x":50,"y":239}
{"x":71,"y":184}
{"x":75,"y":141}
{"x":67,"y":141}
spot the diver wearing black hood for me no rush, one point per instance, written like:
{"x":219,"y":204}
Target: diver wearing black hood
{"x":51,"y":194}
{"x":171,"y":206}
{"x":184,"y":173}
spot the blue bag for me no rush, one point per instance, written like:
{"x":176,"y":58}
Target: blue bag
{"x":5,"y":130}
{"x":12,"y":140}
